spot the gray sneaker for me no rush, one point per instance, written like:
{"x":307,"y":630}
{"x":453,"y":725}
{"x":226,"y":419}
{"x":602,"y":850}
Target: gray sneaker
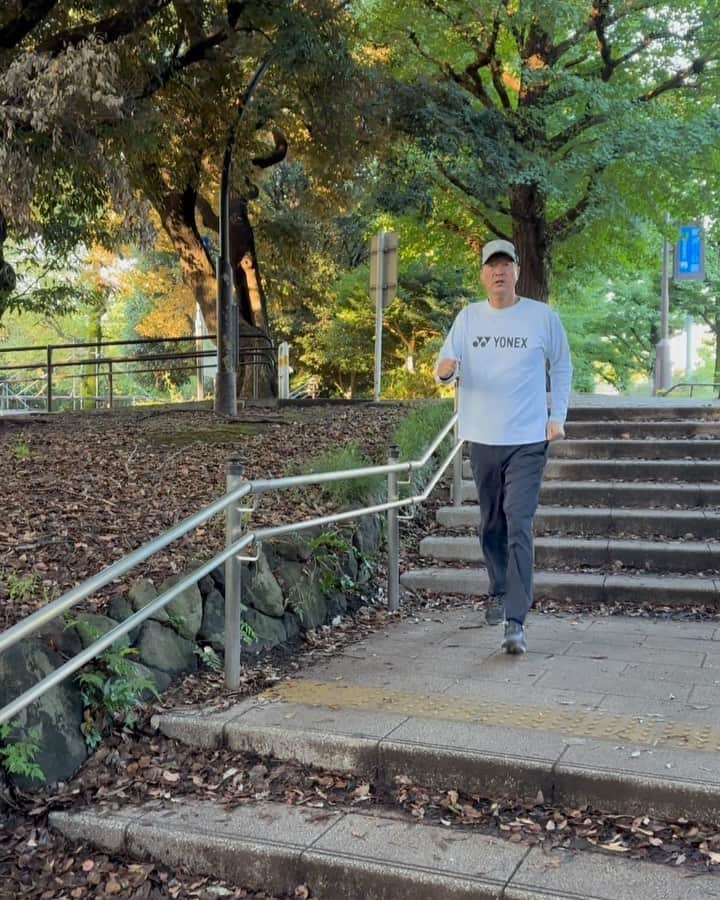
{"x":495,"y":611}
{"x":514,"y":640}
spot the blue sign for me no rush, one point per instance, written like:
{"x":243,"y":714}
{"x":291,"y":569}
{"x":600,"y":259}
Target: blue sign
{"x":690,"y":254}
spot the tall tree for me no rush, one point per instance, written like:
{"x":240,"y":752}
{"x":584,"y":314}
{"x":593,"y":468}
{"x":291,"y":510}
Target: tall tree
{"x":544,"y":117}
{"x":159,"y":87}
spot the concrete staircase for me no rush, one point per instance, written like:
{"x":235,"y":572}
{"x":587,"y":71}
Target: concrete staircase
{"x":616,"y":712}
{"x":629,"y":513}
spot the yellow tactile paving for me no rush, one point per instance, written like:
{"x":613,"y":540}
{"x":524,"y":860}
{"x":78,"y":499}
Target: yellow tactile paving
{"x":589,"y":723}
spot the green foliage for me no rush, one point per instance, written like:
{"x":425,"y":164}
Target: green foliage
{"x":18,"y":757}
{"x":21,"y":588}
{"x":328,"y":549}
{"x":418,"y":430}
{"x":209,"y":658}
{"x":112,"y":690}
{"x":21,"y":450}
{"x":346,"y":491}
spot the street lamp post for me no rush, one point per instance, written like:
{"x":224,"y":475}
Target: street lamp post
{"x":227,"y":311}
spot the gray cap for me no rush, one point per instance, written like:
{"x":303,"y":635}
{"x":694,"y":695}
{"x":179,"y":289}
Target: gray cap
{"x":494,"y":247}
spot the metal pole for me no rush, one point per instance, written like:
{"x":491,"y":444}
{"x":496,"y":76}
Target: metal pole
{"x":226,"y":376}
{"x":393,"y":538}
{"x":458,"y":461}
{"x":227,"y":313}
{"x":110,"y":382}
{"x":688,"y":348}
{"x":198,"y":349}
{"x":380,"y":277}
{"x":233,"y":581}
{"x":48,"y":374}
{"x":663,"y":370}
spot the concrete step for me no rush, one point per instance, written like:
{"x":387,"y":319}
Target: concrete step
{"x":650,"y":556}
{"x":597,"y":448}
{"x":638,"y":430}
{"x":577,"y":588}
{"x":669,"y":523}
{"x":685,"y":471}
{"x":620,"y":494}
{"x":364,"y":855}
{"x":495,"y":740}
{"x":648,"y":411}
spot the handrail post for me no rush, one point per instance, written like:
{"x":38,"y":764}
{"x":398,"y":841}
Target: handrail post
{"x":393,"y":538}
{"x":110,"y":382}
{"x":458,"y":461}
{"x":48,"y":374}
{"x":233,"y":580}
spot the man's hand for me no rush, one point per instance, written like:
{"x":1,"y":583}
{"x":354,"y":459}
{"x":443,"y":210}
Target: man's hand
{"x":446,"y":369}
{"x":554,"y":431}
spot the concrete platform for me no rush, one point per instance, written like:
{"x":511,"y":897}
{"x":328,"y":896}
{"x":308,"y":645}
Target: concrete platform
{"x":581,"y":588}
{"x":360,"y":855}
{"x":623,"y":713}
{"x":643,"y":429}
{"x":651,"y":556}
{"x":619,"y":494}
{"x":579,"y":520}
{"x":652,"y":470}
{"x":619,"y":448}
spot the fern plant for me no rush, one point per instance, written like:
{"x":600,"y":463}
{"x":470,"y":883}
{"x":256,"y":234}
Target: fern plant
{"x":18,"y":757}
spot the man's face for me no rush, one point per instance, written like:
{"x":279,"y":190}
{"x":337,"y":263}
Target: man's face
{"x":499,"y":276}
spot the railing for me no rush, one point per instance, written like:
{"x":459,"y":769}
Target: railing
{"x":715,"y":385}
{"x":101,"y":366}
{"x":237,"y":541}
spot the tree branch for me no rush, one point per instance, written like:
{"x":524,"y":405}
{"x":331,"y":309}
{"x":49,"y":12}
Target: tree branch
{"x":208,"y":215}
{"x":196,"y":53}
{"x":108,"y":30}
{"x":681,"y":78}
{"x":563,"y":226}
{"x":277,"y":155}
{"x":32,"y":13}
{"x":588,"y":26}
{"x":564,"y":137}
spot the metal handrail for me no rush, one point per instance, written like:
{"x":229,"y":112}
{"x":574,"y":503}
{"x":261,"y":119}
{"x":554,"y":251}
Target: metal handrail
{"x":229,"y":556}
{"x":691,"y":385}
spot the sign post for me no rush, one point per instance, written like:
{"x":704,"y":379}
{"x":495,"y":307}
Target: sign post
{"x":663,"y":368}
{"x":284,"y":371}
{"x":383,"y":287}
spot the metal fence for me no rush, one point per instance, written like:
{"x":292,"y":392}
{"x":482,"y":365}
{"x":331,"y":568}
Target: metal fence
{"x":240,"y":542}
{"x":715,"y":385}
{"x":97,"y":367}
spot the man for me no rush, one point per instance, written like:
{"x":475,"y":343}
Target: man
{"x":500,"y":348}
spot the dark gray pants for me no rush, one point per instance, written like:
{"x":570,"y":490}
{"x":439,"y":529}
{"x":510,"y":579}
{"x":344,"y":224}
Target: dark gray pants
{"x":508,"y":482}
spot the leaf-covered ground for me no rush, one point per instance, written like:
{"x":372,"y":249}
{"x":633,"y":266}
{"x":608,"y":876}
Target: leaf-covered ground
{"x":82,"y":490}
{"x":35,"y":862}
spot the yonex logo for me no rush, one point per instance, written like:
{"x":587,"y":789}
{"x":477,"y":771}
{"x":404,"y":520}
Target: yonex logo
{"x":519,"y":343}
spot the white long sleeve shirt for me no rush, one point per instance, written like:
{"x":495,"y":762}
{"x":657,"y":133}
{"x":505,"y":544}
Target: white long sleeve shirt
{"x":501,"y":357}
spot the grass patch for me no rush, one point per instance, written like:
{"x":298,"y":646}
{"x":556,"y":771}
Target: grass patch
{"x":418,"y":430}
{"x":220,"y":434}
{"x":347,"y":491}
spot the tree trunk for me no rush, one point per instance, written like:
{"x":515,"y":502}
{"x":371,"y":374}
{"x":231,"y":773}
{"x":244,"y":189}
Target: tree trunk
{"x":177,"y":214}
{"x":530,"y":235}
{"x":257,"y":376}
{"x":7,"y":273}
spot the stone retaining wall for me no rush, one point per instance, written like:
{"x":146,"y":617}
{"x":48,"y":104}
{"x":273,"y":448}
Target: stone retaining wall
{"x":297,"y":584}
